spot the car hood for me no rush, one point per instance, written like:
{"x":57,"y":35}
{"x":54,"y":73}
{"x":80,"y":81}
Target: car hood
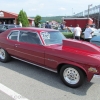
{"x":80,"y":45}
{"x":76,"y":51}
{"x":73,"y":44}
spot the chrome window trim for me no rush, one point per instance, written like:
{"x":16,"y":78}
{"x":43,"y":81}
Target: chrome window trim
{"x":25,"y":31}
{"x":44,"y":41}
{"x":10,"y":34}
{"x":42,"y":38}
{"x":33,"y":33}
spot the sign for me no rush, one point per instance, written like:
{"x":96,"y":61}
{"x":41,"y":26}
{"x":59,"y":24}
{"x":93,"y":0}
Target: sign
{"x":1,"y":14}
{"x":45,"y":35}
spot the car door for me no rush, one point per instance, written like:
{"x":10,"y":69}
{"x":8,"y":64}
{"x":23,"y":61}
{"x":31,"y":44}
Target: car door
{"x":30,"y":48}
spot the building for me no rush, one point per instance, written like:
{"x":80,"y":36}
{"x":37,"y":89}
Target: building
{"x":72,"y":22}
{"x":11,"y":18}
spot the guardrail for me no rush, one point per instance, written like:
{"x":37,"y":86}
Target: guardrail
{"x":93,"y":10}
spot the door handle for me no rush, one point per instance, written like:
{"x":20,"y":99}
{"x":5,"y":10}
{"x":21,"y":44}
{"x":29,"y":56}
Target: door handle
{"x":17,"y":45}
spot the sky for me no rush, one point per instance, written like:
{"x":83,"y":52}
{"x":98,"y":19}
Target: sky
{"x":46,"y":8}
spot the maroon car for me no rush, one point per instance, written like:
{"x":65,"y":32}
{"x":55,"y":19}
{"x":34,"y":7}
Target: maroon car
{"x":47,"y":48}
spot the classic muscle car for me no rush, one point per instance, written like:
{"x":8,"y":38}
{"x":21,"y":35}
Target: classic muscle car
{"x":74,"y":60}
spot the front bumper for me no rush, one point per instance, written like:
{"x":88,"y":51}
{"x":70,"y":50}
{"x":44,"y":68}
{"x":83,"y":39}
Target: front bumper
{"x":95,"y":79}
{"x":96,"y":76}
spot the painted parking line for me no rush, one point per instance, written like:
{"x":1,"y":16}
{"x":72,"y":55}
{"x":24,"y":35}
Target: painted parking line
{"x":11,"y":93}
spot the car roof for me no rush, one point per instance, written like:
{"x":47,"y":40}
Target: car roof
{"x":11,"y":25}
{"x":1,"y":24}
{"x":33,"y":29}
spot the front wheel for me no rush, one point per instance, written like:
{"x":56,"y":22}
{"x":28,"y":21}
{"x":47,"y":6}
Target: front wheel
{"x":72,"y":76}
{"x":4,"y":56}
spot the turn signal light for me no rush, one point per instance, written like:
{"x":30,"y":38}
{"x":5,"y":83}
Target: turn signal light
{"x":94,"y":70}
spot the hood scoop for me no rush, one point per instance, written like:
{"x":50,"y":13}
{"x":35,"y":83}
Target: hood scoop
{"x":81,"y":45}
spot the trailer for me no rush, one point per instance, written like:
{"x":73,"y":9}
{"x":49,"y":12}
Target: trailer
{"x":72,"y":22}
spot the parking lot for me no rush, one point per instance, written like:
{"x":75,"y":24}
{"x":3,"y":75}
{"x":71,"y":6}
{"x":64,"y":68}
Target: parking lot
{"x":30,"y":82}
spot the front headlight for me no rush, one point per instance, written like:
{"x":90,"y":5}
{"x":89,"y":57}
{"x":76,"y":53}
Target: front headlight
{"x":92,"y":69}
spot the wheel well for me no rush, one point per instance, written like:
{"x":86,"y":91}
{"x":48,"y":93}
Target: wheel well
{"x":60,"y":66}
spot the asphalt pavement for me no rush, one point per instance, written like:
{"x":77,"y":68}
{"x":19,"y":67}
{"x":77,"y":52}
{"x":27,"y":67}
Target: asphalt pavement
{"x":34,"y":83}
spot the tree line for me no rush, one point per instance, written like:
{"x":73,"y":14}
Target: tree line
{"x":22,"y":17}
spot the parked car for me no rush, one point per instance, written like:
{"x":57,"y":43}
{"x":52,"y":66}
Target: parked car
{"x":96,"y":38}
{"x":49,"y":49}
{"x":68,"y":32}
{"x":4,"y":27}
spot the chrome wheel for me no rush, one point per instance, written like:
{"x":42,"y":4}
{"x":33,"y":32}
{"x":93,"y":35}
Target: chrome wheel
{"x":71,"y":76}
{"x":2,"y":54}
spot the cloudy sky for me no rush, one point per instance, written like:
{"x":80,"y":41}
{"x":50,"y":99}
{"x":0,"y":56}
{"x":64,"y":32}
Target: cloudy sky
{"x":47,"y":7}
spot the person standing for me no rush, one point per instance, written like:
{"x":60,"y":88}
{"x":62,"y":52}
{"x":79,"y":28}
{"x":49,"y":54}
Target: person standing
{"x":77,"y":32}
{"x":88,"y":33}
{"x":20,"y":24}
{"x":39,"y":25}
{"x":63,"y":26}
{"x":47,"y":25}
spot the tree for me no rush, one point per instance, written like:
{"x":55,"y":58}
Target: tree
{"x":37,"y":20}
{"x":22,"y":17}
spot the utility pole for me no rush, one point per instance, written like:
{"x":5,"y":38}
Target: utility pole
{"x":89,"y":9}
{"x":72,"y":11}
{"x":99,"y":17}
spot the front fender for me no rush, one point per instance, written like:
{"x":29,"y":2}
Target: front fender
{"x":83,"y":67}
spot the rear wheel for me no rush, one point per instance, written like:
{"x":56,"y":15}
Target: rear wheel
{"x":72,"y":76}
{"x":4,"y":56}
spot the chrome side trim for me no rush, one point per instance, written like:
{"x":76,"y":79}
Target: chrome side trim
{"x":25,"y":53}
{"x":34,"y":64}
{"x":33,"y":55}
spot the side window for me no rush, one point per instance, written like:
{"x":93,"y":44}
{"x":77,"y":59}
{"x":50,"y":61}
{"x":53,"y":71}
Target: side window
{"x":13,"y":35}
{"x":29,"y":37}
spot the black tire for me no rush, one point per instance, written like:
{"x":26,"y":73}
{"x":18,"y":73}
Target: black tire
{"x":4,"y":56}
{"x":78,"y":74}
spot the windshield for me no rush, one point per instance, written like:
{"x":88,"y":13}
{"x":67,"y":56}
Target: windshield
{"x":52,"y":37}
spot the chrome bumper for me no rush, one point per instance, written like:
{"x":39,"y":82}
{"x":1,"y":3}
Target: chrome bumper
{"x":96,"y":76}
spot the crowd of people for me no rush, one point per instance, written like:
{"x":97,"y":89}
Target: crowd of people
{"x":45,"y":25}
{"x":88,"y":32}
{"x":77,"y":31}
